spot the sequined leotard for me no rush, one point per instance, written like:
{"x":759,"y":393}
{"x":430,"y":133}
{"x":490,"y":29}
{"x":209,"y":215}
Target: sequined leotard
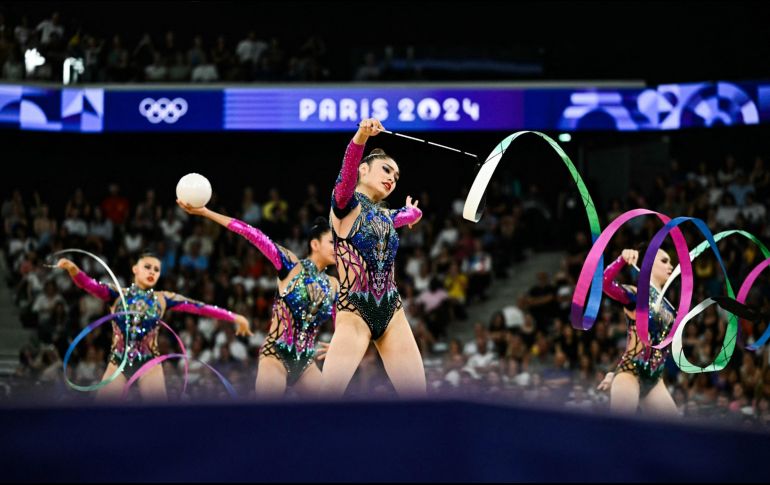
{"x":646,"y":363}
{"x":365,"y":258}
{"x":140,"y":331}
{"x":298,"y":312}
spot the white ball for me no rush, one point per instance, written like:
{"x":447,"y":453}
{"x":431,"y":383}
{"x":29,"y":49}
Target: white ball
{"x":194,"y":189}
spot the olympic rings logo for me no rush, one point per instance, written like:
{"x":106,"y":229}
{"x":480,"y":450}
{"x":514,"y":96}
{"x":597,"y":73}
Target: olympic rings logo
{"x":163,"y":109}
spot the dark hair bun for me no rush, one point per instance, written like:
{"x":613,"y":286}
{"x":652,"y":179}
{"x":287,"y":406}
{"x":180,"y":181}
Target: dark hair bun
{"x":147,"y":253}
{"x":320,"y":226}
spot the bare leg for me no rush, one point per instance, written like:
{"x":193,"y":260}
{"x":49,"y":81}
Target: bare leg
{"x":309,"y":385}
{"x":624,"y":394}
{"x":152,"y":385}
{"x":401,"y":357}
{"x":271,"y":378}
{"x":112,"y":391}
{"x":349,"y":343}
{"x":659,"y":401}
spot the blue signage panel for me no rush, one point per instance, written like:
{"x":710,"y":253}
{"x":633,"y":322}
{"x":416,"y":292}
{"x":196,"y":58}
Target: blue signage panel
{"x":164,"y":110}
{"x":52,"y":109}
{"x":335,"y":109}
{"x":437,"y":108}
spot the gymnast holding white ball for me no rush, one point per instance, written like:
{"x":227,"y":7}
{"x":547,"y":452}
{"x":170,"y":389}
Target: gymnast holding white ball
{"x":194,"y":189}
{"x":305,"y":301}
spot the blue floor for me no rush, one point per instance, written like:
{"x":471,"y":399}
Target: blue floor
{"x":365,"y":441}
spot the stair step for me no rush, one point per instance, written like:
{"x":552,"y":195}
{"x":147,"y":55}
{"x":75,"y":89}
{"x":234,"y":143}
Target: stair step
{"x":12,"y":339}
{"x":502,"y":293}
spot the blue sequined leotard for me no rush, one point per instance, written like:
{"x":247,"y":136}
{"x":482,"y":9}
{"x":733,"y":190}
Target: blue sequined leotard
{"x":139,"y":332}
{"x":365,"y":262}
{"x":307,"y":302}
{"x":366,"y":255}
{"x":298,"y":312}
{"x":645,"y":362}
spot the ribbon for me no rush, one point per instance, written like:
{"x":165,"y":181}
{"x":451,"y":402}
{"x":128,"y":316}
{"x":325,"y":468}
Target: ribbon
{"x":95,"y":324}
{"x":473,"y":209}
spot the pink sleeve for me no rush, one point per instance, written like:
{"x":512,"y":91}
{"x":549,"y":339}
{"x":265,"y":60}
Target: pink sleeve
{"x":99,"y":290}
{"x":198,"y":308}
{"x":611,"y":287}
{"x":258,"y":239}
{"x":348,"y":177}
{"x":405,"y":216}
